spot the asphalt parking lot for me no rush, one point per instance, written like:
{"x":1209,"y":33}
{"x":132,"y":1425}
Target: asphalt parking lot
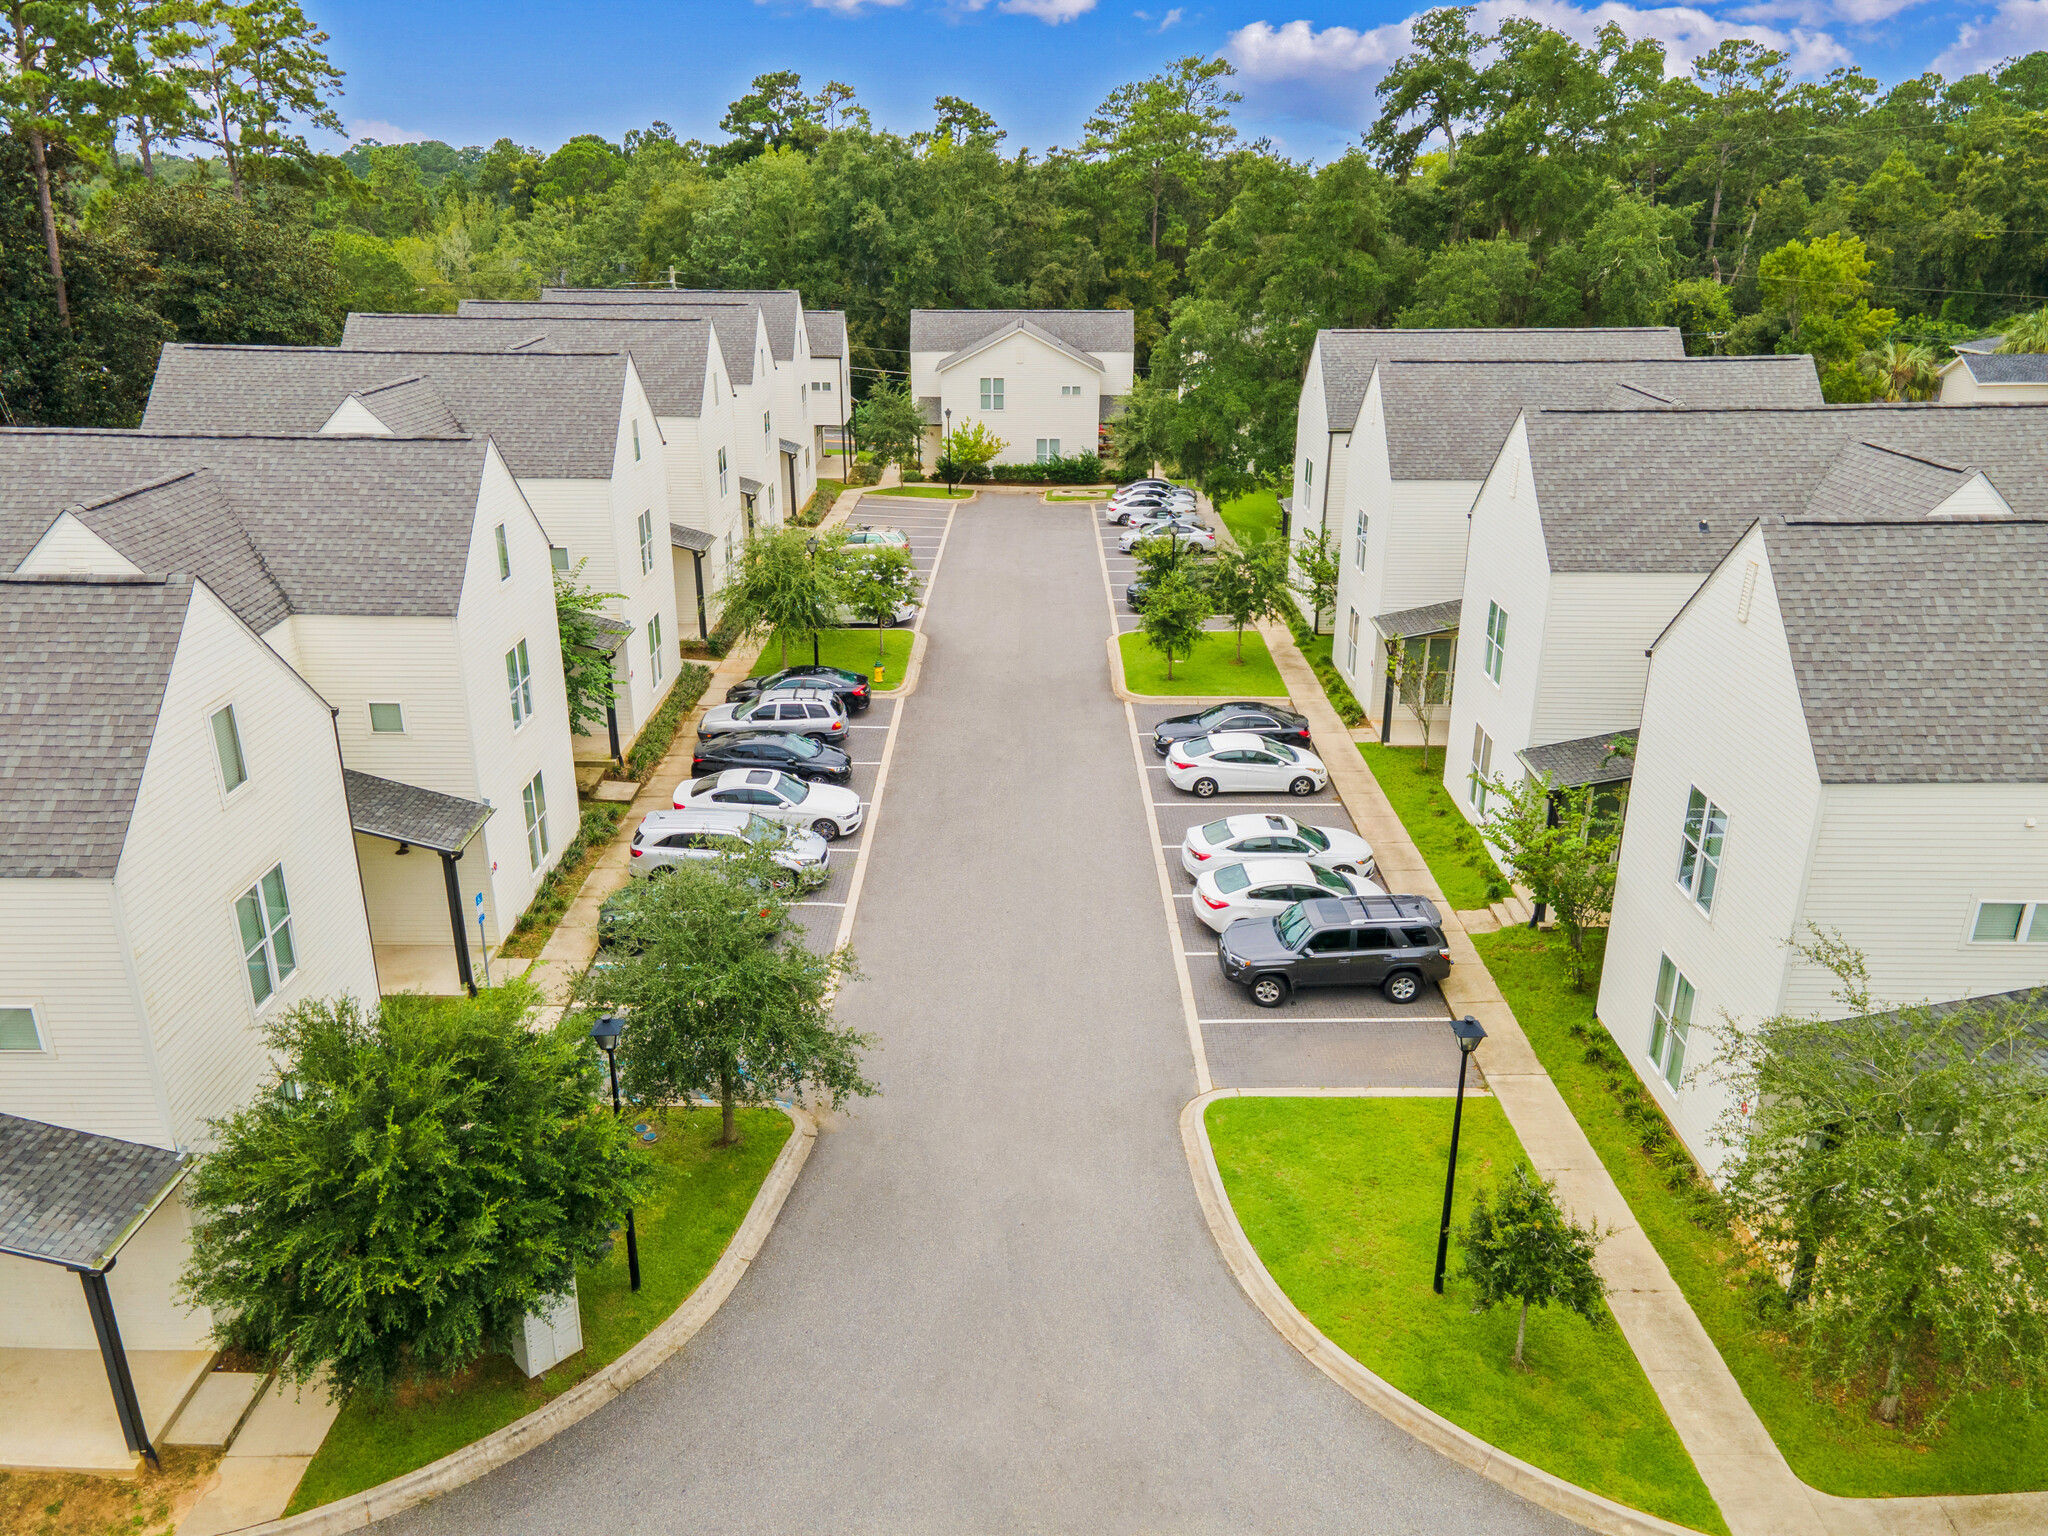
{"x":1123,"y":567}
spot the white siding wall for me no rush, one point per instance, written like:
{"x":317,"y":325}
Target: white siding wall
{"x":1506,"y":563}
{"x":68,"y":545}
{"x":46,"y":1307}
{"x":65,"y":957}
{"x":1959,"y":388}
{"x":494,"y":616}
{"x":578,"y":515}
{"x":192,"y":850}
{"x":641,"y":485}
{"x":716,"y":428}
{"x":758,"y":457}
{"x":1312,"y":449}
{"x":1368,"y":489}
{"x":1722,"y":714}
{"x":800,"y":413}
{"x":1033,"y":407}
{"x":407,"y":893}
{"x":1600,"y":623}
{"x":354,"y":662}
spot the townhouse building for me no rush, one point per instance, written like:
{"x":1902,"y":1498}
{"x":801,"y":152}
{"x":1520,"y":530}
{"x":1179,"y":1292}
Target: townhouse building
{"x":1043,"y":380}
{"x":831,"y":381}
{"x":577,"y":430}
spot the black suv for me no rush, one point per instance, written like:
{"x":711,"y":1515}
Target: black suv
{"x":1268,"y":720}
{"x":851,"y":687}
{"x":1389,"y":942}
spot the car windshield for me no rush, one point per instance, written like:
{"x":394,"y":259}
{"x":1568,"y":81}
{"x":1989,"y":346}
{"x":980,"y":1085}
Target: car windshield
{"x":1292,"y":926}
{"x":1331,"y":880}
{"x":1216,"y":831}
{"x":794,"y":789}
{"x":1287,"y":754}
{"x":1211,"y":716}
{"x":762,"y":831}
{"x":803,"y":746}
{"x":1195,"y":746}
{"x":1315,"y":837}
{"x":1232,"y":877}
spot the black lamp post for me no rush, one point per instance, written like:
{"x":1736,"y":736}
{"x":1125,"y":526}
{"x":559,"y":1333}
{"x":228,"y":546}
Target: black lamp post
{"x":605,"y":1033}
{"x":1469,"y":1033}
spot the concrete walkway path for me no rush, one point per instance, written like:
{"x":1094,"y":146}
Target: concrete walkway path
{"x":992,"y":1303}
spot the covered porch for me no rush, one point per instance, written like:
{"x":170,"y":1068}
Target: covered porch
{"x":416,"y":819}
{"x":1423,"y":643}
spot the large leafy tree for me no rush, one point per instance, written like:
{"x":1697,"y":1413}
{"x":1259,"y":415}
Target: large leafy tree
{"x":231,"y":271}
{"x":588,"y":671}
{"x":261,"y":69}
{"x":1175,"y":609}
{"x":1157,"y":136}
{"x":50,"y":95}
{"x":888,"y":423}
{"x":415,"y":1181}
{"x":785,"y":583}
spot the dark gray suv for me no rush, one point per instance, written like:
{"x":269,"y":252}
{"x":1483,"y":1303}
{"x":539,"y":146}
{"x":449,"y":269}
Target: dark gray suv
{"x":1389,"y":942}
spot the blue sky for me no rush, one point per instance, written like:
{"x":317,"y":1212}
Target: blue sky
{"x":468,"y":72}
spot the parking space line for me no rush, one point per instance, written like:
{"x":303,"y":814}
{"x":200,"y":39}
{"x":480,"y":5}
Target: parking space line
{"x":817,"y":903}
{"x":1267,"y":1017}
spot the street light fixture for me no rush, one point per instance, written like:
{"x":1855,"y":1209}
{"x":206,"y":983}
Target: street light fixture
{"x":1469,"y":1033}
{"x":605,"y":1035}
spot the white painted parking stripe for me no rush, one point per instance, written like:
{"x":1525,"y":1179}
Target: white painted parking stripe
{"x":1199,"y":954}
{"x":817,"y":903}
{"x":1265,"y":1016}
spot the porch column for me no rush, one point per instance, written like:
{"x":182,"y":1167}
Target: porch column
{"x":455,"y":920}
{"x":697,"y":562}
{"x":126,"y":1406}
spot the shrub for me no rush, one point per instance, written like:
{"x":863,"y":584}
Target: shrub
{"x":1074,"y":469}
{"x":659,"y":733}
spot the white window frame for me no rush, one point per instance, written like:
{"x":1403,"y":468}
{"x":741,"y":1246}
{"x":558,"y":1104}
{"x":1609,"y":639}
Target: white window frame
{"x":35,"y":1028}
{"x":504,"y":556}
{"x":1048,"y":449}
{"x":1481,"y":769}
{"x":558,"y":557}
{"x":654,"y":644}
{"x":721,"y":475}
{"x":519,"y":683}
{"x":533,"y":796}
{"x":1496,"y":658}
{"x":241,"y":752}
{"x":2030,"y":928}
{"x":1359,"y":558}
{"x":1699,"y":867}
{"x":1351,"y":644}
{"x":271,"y":925}
{"x":1671,"y":1012}
{"x":370,"y":709}
{"x":646,"y":530}
{"x":992,"y":393}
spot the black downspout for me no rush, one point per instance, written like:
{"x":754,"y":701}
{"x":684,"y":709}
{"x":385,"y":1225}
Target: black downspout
{"x":611,"y":725}
{"x":129,"y":1410}
{"x":1549,"y":820}
{"x":1387,"y":709}
{"x":462,"y":969}
{"x":697,"y":564}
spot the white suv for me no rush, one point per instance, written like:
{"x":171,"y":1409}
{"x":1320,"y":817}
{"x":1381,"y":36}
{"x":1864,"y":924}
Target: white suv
{"x":812,"y":712}
{"x":668,"y":838}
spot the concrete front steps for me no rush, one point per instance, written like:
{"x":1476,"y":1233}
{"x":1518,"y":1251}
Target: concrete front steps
{"x":1509,"y":913}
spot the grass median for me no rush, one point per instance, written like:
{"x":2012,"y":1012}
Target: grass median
{"x":1341,"y":1198}
{"x":1464,"y":870}
{"x":705,"y":1194}
{"x":1212,"y":669}
{"x":853,"y":649}
{"x":934,"y":492}
{"x":1252,"y":518}
{"x":1992,"y":1444}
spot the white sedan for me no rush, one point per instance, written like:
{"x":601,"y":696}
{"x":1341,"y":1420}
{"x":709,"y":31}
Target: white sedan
{"x":1241,"y":761}
{"x":865,"y":537}
{"x":1268,"y":835}
{"x":1182,"y":530}
{"x":825,"y":809}
{"x":1268,"y":887}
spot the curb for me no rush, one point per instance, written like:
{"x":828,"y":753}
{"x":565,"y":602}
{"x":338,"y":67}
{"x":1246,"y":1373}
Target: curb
{"x":1432,"y":1429}
{"x":944,"y":501}
{"x":1116,"y":684}
{"x":587,"y":1396}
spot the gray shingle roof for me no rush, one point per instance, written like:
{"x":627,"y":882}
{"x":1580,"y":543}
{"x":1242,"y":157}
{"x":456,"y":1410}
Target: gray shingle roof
{"x":554,"y":415}
{"x":749,"y":486}
{"x":611,"y":634}
{"x":1588,"y":760}
{"x":682,"y":536}
{"x":1024,"y":328}
{"x":87,"y":660}
{"x":737,"y":323}
{"x":670,"y":353}
{"x":1109,"y":407}
{"x":376,"y":526}
{"x":1089,"y":330}
{"x":70,"y":1197}
{"x":1429,"y":619}
{"x":1627,"y":490}
{"x":405,"y":813}
{"x":1870,"y":482}
{"x":187,"y":522}
{"x":2007,"y":367}
{"x":1349,"y":356}
{"x":1446,"y":420}
{"x":779,"y":307}
{"x":827,"y":329}
{"x":1920,"y":649}
{"x":1979,"y":344}
{"x":928,"y":408}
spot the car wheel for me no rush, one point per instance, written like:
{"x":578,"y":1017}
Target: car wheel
{"x":1203,"y":788}
{"x":825,"y":827}
{"x":782,"y":885}
{"x":1401,"y":987}
{"x":1302,"y":786}
{"x":1269,"y":991}
{"x":1346,"y":869}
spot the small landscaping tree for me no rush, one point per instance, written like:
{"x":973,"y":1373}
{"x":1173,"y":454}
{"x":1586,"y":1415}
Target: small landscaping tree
{"x":718,"y":1004}
{"x":415,"y":1182}
{"x":1894,"y":1165}
{"x":965,"y":453}
{"x":1560,"y":850}
{"x":1234,"y":590}
{"x":1421,"y":675}
{"x":1173,"y":616}
{"x":1519,"y":1246}
{"x":889,"y":424}
{"x":785,"y":583}
{"x":1317,"y":563}
{"x":876,"y":583}
{"x":587,"y":671}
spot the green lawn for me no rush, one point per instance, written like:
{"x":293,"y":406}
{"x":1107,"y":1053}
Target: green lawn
{"x":853,"y":649}
{"x":938,"y":491}
{"x":1252,"y":518}
{"x":1992,"y":1445}
{"x":1212,"y":669}
{"x":1341,"y":1198}
{"x":682,"y":1231}
{"x":1464,"y":871}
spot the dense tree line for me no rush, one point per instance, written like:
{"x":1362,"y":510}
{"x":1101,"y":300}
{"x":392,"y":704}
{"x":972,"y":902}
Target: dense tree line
{"x":1516,"y":178}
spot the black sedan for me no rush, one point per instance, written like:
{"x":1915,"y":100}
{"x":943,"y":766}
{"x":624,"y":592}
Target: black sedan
{"x":1134,"y":593}
{"x":1268,"y":720}
{"x":851,"y":687}
{"x":798,"y":756}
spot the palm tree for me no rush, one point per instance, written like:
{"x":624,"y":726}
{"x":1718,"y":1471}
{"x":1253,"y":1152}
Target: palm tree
{"x":1903,"y":371}
{"x":2026,"y":333}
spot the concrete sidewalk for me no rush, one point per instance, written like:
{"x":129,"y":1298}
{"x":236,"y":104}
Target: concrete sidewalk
{"x":1743,"y":1468}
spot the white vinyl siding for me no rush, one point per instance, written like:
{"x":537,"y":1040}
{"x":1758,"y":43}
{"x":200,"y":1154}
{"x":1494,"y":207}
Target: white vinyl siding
{"x":227,"y":750}
{"x":535,"y":799}
{"x":263,"y":919}
{"x":1593,"y":666}
{"x":1670,"y":1023}
{"x":992,"y":394}
{"x":1496,"y":641}
{"x":519,"y":682}
{"x":1699,"y":853}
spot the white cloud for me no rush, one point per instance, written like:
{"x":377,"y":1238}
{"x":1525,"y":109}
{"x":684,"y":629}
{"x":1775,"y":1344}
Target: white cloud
{"x":1296,"y":71}
{"x":1051,"y":12}
{"x":1820,"y":13}
{"x":1171,"y":19}
{"x":384,"y":133}
{"x":841,"y":7}
{"x":2017,"y":27}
